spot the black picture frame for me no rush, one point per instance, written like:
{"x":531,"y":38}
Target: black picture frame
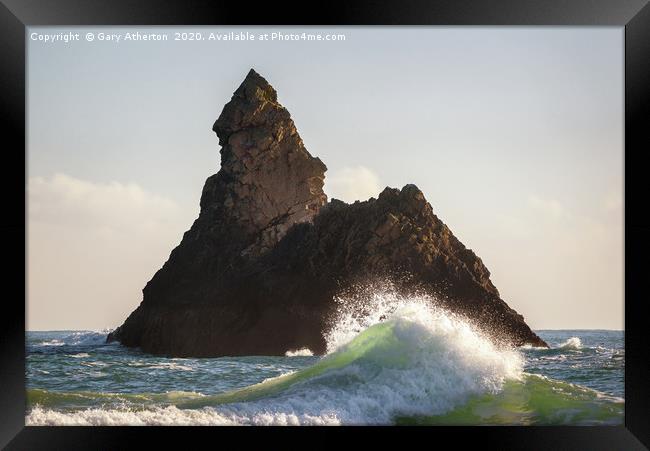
{"x":633,"y":15}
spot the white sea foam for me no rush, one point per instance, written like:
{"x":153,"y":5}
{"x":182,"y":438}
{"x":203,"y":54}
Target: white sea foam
{"x":169,"y":416}
{"x":53,"y":343}
{"x":304,"y":352}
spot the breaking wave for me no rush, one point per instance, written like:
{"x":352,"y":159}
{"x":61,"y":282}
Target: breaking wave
{"x":399,"y":361}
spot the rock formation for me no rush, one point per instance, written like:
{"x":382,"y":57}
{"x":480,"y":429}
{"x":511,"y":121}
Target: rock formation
{"x":258,"y":271}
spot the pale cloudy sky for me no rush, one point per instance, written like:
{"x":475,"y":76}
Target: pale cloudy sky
{"x":515,"y":135}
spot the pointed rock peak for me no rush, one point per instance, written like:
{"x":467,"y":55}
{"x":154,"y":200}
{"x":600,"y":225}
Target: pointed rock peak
{"x":254,"y":103}
{"x":256,"y":88}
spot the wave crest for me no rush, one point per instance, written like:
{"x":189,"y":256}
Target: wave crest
{"x":572,"y":343}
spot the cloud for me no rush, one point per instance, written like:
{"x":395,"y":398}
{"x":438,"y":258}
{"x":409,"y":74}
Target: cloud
{"x":80,"y":204}
{"x":352,"y":183}
{"x":92,"y":247}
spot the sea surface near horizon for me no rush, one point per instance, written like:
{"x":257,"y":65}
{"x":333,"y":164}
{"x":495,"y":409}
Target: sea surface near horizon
{"x":390,"y":373}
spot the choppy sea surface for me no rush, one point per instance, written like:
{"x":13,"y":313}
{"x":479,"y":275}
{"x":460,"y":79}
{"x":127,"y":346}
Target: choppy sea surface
{"x":403,"y":363}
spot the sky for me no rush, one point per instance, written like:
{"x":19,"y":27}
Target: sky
{"x":514,"y":134}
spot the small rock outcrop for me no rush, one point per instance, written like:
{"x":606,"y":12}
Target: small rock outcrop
{"x":259,"y":270}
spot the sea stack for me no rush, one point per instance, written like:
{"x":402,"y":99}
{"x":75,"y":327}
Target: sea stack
{"x":260,"y":269}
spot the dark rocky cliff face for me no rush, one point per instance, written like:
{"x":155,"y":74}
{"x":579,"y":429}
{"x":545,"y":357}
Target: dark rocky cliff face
{"x":259,"y":269}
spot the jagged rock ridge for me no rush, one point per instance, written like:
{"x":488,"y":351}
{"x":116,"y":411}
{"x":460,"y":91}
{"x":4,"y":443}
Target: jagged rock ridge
{"x":259,"y":269}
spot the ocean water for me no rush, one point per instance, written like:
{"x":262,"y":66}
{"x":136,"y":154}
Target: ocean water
{"x":401,"y":361}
